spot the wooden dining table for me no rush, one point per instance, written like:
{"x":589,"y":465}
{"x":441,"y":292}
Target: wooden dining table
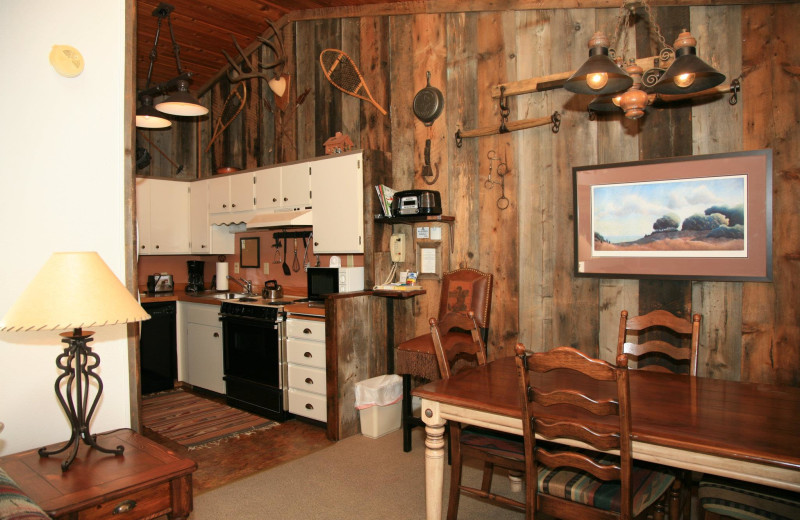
{"x":746,"y":431}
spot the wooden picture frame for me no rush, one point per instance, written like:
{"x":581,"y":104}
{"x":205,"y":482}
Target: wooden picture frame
{"x":250,"y":252}
{"x":710,"y":218}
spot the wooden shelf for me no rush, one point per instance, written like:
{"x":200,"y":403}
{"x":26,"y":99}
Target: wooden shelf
{"x":404,"y":219}
{"x":398,"y":294}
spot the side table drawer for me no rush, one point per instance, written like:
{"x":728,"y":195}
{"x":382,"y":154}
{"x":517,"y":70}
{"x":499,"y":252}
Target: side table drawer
{"x":306,"y":329}
{"x":307,"y":379}
{"x":313,"y":406}
{"x":147,"y":503}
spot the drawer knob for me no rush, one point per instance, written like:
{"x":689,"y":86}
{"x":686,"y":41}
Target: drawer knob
{"x":306,"y":331}
{"x":309,"y":381}
{"x":224,"y":205}
{"x":124,"y":507}
{"x":309,"y":406}
{"x":216,"y":334}
{"x":274,"y":199}
{"x":308,"y":355}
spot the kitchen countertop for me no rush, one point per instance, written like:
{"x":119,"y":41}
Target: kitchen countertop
{"x":207,"y":297}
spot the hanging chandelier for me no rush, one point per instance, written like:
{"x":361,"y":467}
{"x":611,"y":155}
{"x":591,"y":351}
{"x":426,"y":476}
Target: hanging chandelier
{"x":676,"y":70}
{"x":181,"y":102}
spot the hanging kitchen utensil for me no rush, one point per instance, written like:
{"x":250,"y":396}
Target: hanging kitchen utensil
{"x":296,"y":262}
{"x":305,"y":253}
{"x":286,"y":269}
{"x":276,"y":258}
{"x":428,"y":105}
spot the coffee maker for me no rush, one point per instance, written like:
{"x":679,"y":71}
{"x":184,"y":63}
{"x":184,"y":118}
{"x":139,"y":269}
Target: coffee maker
{"x":195,"y":268}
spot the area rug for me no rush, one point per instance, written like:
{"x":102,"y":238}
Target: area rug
{"x":195,"y":422}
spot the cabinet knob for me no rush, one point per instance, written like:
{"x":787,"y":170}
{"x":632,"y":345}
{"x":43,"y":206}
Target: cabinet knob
{"x":274,"y":199}
{"x":285,"y":199}
{"x":124,"y":507}
{"x":156,"y":246}
{"x":306,"y":331}
{"x":309,"y":381}
{"x":143,"y":246}
{"x":216,"y":334}
{"x":233,"y":205}
{"x":308,"y":355}
{"x":316,"y":244}
{"x":224,"y":205}
{"x":309,"y":406}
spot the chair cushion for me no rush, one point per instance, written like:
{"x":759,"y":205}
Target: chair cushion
{"x":747,"y":501}
{"x":14,"y":504}
{"x":648,"y":484}
{"x":499,"y":443}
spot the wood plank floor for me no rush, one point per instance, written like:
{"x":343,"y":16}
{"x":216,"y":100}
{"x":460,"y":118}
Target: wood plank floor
{"x":236,"y":458}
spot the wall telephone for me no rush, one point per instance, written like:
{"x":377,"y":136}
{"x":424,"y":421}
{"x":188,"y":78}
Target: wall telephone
{"x":398,"y":248}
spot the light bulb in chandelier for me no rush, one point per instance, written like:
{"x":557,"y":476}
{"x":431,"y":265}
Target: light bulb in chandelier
{"x":597,"y":80}
{"x":688,"y":73}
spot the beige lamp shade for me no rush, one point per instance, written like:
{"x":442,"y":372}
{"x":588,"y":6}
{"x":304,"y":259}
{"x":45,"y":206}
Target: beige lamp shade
{"x":73,"y":290}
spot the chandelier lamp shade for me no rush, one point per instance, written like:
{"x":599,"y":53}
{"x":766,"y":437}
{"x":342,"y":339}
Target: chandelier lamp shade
{"x":688,"y":73}
{"x":599,"y":74}
{"x":179,"y":103}
{"x":60,"y":298}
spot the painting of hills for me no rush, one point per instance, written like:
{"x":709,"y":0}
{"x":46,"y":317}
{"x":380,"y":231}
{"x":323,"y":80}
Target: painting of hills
{"x":702,"y":217}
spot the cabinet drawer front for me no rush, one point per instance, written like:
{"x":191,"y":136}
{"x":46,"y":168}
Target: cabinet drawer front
{"x":147,"y":503}
{"x":307,"y":379}
{"x":313,"y":406}
{"x":306,"y":329}
{"x":301,"y":352}
{"x":203,"y":314}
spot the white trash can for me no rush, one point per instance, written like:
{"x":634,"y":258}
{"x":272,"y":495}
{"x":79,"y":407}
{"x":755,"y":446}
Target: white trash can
{"x":379,"y":401}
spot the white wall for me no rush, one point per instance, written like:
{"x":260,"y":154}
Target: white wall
{"x":61,"y":189}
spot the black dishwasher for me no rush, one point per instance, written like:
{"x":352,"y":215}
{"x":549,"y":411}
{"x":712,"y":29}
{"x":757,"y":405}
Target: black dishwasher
{"x":158,"y":352}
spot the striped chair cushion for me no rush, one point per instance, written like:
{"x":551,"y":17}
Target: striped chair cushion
{"x":648,"y":484}
{"x":746,"y":501}
{"x":14,"y":504}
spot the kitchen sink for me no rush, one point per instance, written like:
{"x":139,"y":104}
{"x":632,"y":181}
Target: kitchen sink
{"x":228,"y":296}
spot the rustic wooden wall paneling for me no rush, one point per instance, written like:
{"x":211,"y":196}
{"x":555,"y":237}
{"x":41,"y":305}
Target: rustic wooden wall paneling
{"x":373,"y":127}
{"x":535,"y":179}
{"x":306,"y":67}
{"x":261,"y":117}
{"x":770,"y":314}
{"x":328,"y":99}
{"x":350,"y":118}
{"x":286,"y":120}
{"x":717,"y":128}
{"x":617,"y":141}
{"x":574,"y":299}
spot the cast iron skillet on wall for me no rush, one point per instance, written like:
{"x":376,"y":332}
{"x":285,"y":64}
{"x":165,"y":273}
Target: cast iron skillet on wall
{"x":428,"y":105}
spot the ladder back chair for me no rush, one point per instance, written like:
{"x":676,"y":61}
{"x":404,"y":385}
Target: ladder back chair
{"x":650,"y":349}
{"x":458,"y":345}
{"x":567,"y":482}
{"x":463,"y":291}
{"x":723,"y":498}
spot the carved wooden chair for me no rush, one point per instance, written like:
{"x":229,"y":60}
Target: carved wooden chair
{"x":567,"y":482}
{"x":728,"y":499}
{"x":648,"y":351}
{"x":463,"y":290}
{"x":458,"y":345}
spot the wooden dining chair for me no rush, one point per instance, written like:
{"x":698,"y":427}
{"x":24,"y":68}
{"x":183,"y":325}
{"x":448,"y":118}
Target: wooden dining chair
{"x":651,"y":350}
{"x":463,"y":291}
{"x":576,"y":482}
{"x":723,"y":498}
{"x":458,"y":344}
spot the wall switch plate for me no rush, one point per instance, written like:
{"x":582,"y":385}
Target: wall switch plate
{"x":236,"y":268}
{"x":266,"y":267}
{"x":398,"y":248}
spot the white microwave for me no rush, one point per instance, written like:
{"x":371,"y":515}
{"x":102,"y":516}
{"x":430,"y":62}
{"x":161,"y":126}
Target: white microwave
{"x":327,"y":280}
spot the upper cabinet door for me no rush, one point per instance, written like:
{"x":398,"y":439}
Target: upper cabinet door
{"x":219,"y":194}
{"x":242,"y":192}
{"x":268,"y":188}
{"x":337,"y":184}
{"x":296,"y":185}
{"x":169,"y":217}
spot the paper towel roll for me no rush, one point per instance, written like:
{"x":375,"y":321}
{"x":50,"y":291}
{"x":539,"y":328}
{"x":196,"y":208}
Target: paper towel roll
{"x":222,"y":276}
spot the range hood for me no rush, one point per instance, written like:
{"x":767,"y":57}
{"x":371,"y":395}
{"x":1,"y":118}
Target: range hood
{"x":280,"y":219}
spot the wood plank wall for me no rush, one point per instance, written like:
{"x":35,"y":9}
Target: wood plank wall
{"x":750,"y":331}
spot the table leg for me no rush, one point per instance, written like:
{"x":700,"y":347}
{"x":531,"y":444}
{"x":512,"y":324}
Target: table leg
{"x":434,"y":460}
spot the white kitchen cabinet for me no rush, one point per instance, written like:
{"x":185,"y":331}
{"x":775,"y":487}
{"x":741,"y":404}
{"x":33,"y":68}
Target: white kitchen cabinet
{"x":337,"y":186}
{"x":231,"y":193}
{"x":204,"y":358}
{"x":268,"y":188}
{"x":305,"y":358}
{"x":205,"y":238}
{"x":162,"y":216}
{"x":296,"y":184}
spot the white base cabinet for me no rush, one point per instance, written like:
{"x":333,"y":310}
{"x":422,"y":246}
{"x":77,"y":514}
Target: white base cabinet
{"x":203,"y":348}
{"x":305,"y":357}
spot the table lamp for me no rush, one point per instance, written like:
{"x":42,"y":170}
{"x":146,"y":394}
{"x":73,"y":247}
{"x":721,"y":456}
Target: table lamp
{"x":72,"y":291}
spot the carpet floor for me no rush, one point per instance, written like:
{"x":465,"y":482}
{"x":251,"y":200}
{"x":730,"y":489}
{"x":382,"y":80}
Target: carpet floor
{"x":194,"y":422}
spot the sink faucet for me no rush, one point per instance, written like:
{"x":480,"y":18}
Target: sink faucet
{"x":247,"y":285}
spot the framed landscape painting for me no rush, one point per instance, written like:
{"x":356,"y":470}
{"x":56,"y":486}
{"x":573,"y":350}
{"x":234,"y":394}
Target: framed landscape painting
{"x":703,"y":217}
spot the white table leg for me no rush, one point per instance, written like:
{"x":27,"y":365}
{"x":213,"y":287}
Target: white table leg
{"x":434,"y":460}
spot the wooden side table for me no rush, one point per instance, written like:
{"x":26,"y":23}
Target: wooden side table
{"x":146,"y":481}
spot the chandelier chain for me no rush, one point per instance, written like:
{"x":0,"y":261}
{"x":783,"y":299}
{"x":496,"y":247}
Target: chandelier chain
{"x":652,"y":17}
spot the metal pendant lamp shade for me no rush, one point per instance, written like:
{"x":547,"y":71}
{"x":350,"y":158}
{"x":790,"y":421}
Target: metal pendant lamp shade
{"x":148,"y":117}
{"x":688,"y":73}
{"x":599,"y":74}
{"x":181,"y":103}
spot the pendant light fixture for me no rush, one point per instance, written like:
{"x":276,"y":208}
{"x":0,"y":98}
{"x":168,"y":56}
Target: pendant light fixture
{"x":602,"y":74}
{"x":181,"y":103}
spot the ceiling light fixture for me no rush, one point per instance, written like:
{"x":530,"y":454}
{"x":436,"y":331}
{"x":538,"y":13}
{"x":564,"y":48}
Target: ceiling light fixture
{"x":181,"y":103}
{"x":675,"y":70}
